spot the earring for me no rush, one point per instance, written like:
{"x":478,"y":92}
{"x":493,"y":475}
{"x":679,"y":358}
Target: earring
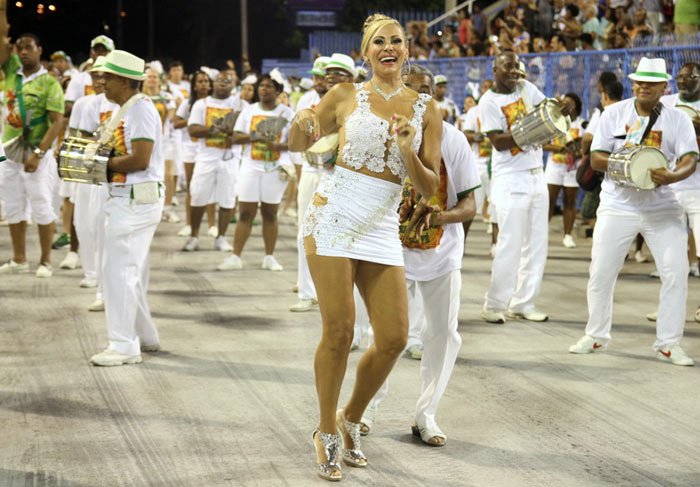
{"x":365,"y":68}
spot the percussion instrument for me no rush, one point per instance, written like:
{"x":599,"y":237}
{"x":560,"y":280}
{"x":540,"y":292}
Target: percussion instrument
{"x":544,"y":123}
{"x":629,"y":167}
{"x":324,"y":152}
{"x":690,"y":111}
{"x":84,"y":161}
{"x":269,"y":128}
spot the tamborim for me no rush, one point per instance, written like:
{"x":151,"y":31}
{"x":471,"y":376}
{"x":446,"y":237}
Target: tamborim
{"x":629,"y":167}
{"x":541,"y":125}
{"x":324,"y":152}
{"x":83,"y":161}
{"x":690,"y":111}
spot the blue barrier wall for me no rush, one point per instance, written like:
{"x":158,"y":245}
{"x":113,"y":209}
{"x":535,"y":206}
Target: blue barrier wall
{"x":553,"y":73}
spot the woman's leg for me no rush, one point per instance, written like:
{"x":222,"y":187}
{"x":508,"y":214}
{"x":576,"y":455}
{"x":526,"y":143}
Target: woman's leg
{"x":383,"y":289}
{"x":270,"y":226}
{"x":189,"y":170}
{"x":569,"y":209}
{"x":169,"y":181}
{"x":244,"y":226}
{"x":553,"y":195}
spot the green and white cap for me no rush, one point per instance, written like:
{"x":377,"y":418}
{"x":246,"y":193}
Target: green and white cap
{"x":105,"y":41}
{"x":440,"y":78}
{"x":320,"y":66}
{"x":124,"y":64}
{"x":342,"y":61}
{"x":651,"y":71}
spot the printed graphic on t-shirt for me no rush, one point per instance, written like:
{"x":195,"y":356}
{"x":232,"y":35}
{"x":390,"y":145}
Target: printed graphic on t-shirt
{"x":213,"y":115}
{"x":162,"y":109}
{"x":485,"y":147}
{"x":430,"y":237}
{"x":654,"y":138}
{"x":258,"y":149}
{"x":185,"y":93}
{"x":14,"y":118}
{"x":514,"y":112}
{"x":88,"y":90}
{"x":558,"y":157}
{"x":118,"y":141}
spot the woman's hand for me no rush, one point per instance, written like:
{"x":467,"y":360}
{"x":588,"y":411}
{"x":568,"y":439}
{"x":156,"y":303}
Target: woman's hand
{"x":405,"y":132}
{"x":307,"y":121}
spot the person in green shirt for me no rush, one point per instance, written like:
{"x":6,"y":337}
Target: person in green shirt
{"x":34,"y":110}
{"x":686,"y":17}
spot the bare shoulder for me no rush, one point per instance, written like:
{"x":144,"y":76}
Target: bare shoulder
{"x":432,"y":111}
{"x":340,"y":92}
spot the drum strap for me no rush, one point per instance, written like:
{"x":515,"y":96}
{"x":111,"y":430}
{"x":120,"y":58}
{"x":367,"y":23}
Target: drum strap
{"x":113,"y":123}
{"x":522,"y":89}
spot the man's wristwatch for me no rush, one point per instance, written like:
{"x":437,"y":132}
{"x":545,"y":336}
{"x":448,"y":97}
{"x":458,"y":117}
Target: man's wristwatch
{"x":39,"y":153}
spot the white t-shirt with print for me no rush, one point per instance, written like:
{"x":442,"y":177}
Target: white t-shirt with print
{"x":308,"y":100}
{"x":693,"y":181}
{"x":205,"y":111}
{"x":76,"y":114}
{"x":79,"y":86}
{"x":141,"y":122}
{"x":593,"y":122}
{"x":498,"y":112}
{"x":92,"y":114}
{"x":482,"y":150}
{"x":458,"y":177}
{"x":189,"y":143}
{"x":673,"y":133}
{"x":449,"y":106}
{"x":256,"y":155}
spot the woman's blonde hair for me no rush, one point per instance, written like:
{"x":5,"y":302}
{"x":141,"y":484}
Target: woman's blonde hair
{"x":373,"y":24}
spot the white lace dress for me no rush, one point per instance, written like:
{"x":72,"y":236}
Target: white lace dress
{"x":355,"y":215}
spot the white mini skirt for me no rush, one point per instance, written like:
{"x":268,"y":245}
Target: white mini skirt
{"x":355,"y":216}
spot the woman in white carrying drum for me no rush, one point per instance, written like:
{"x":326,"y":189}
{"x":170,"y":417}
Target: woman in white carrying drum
{"x":386,"y":132}
{"x":625,"y":129}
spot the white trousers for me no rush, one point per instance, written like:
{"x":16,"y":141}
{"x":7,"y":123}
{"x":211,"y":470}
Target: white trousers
{"x":665,"y":234}
{"x":522,"y":207}
{"x":434,"y":307}
{"x":129,"y":230}
{"x":305,"y":191}
{"x":24,"y":193}
{"x":89,"y":221}
{"x":689,"y":199}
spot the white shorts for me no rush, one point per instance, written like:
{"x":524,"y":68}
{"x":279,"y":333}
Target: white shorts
{"x":189,"y":149}
{"x":255,"y":186}
{"x":67,"y":189}
{"x":558,"y":174}
{"x":168,"y":149}
{"x":19,"y":190}
{"x":214,"y":182}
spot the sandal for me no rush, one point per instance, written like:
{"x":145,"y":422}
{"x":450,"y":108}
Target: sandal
{"x":367,"y":419}
{"x":330,"y":469}
{"x":426,"y":435}
{"x":697,"y":315}
{"x":351,"y":456}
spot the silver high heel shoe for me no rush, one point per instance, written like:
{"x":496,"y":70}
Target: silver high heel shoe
{"x":351,"y":456}
{"x":330,"y":469}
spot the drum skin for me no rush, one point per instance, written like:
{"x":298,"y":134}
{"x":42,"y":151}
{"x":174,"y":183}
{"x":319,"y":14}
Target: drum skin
{"x":629,"y":166}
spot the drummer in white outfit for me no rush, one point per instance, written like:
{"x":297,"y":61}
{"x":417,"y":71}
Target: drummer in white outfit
{"x":133,"y":212}
{"x":433,"y":261}
{"x":624,"y":212}
{"x":339,"y":69}
{"x":519,"y":191}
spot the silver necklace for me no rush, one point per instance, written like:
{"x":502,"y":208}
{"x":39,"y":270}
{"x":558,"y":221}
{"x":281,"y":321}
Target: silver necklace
{"x":384,"y":95}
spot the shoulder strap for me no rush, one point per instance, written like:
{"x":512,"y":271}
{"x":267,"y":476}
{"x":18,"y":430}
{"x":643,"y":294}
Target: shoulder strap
{"x":117,"y":117}
{"x":652,"y":120}
{"x":20,"y":101}
{"x":522,"y":89}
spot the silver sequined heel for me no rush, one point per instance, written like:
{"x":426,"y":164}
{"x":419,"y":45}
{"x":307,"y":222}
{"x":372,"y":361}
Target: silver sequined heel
{"x":330,"y":469}
{"x":351,"y":456}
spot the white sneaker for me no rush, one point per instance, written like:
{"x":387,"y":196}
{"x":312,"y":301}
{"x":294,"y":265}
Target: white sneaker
{"x":587,"y":344}
{"x":697,"y":315}
{"x":654,"y":273}
{"x":71,"y":261}
{"x":569,"y":242}
{"x":304,"y":305}
{"x":110,"y":358}
{"x":675,"y":355}
{"x":493,"y":315}
{"x":694,"y":270}
{"x":530,"y":315}
{"x":221,"y":244}
{"x":175,"y":201}
{"x":640,"y":257}
{"x":12,"y":267}
{"x":97,"y":305}
{"x":493,"y":251}
{"x":44,"y":270}
{"x":150,"y":348}
{"x":232,"y":262}
{"x":270,"y":263}
{"x":213,"y":231}
{"x":191,"y":245}
{"x":489,"y":229}
{"x":185,"y":231}
{"x":415,"y":351}
{"x":290,"y":212}
{"x":652,"y":316}
{"x":169,"y":215}
{"x":88,"y":282}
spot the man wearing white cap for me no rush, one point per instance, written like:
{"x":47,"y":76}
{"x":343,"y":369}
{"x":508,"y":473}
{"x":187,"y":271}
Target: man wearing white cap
{"x":309,"y":178}
{"x":450,"y":110}
{"x":132,"y":212}
{"x":624,"y":212}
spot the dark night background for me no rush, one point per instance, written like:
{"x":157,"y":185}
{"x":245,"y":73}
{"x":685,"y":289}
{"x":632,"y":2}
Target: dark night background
{"x":198,"y":32}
